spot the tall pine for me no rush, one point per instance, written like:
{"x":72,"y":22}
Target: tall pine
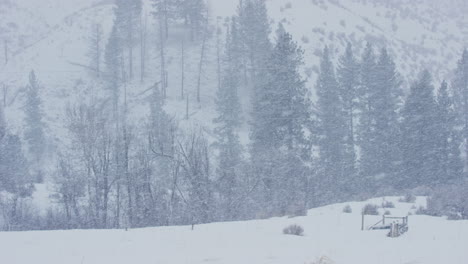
{"x":34,"y":130}
{"x":419,"y":136}
{"x":228,"y":123}
{"x":348,"y":78}
{"x":460,"y":85}
{"x":332,"y":130}
{"x":450,"y":167}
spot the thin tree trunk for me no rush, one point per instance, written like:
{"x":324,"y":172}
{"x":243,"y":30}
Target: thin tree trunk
{"x":98,"y":51}
{"x":183,"y":72}
{"x":187,"y":109}
{"x":166,"y":18}
{"x":6,"y":51}
{"x":218,"y":51}
{"x":163,"y":62}
{"x":200,"y":66}
{"x":143,"y":35}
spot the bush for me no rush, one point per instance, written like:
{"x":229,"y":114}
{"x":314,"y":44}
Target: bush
{"x":347,"y":209}
{"x":294,"y":229}
{"x":388,"y":204}
{"x":387,"y":212}
{"x":323,"y":260}
{"x":370,"y":209}
{"x":450,"y":201}
{"x":408,"y":198}
{"x":421,"y":211}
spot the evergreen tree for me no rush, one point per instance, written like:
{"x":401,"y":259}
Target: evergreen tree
{"x":254,"y":31}
{"x":419,"y":136}
{"x":366,"y":137}
{"x":348,"y":77}
{"x":95,"y":49}
{"x":228,"y":123}
{"x":34,"y":131}
{"x":3,"y":126}
{"x":332,"y":130}
{"x":289,"y":118}
{"x":194,"y":14}
{"x":114,"y":60}
{"x":460,"y":85}
{"x":448,"y":140}
{"x":281,"y":114}
{"x":14,"y":174}
{"x":386,"y":103}
{"x":127,"y":18}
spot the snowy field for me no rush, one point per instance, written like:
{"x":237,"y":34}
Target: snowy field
{"x":330,"y":235}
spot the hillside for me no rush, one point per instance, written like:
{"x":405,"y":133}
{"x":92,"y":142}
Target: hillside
{"x":54,"y":44}
{"x":52,"y":38}
{"x":330,"y":235}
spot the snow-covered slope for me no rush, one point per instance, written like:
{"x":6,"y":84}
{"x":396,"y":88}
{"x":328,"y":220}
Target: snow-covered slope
{"x":331,"y":235}
{"x":52,"y":37}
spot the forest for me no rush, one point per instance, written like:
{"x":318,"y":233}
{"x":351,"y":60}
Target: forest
{"x":357,"y":133}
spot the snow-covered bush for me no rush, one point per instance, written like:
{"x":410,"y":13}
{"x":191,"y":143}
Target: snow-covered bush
{"x":323,"y":260}
{"x":388,"y":204}
{"x":294,"y":229}
{"x":450,"y":201}
{"x":408,"y":198}
{"x":421,"y":210}
{"x":370,"y":209}
{"x":347,"y":209}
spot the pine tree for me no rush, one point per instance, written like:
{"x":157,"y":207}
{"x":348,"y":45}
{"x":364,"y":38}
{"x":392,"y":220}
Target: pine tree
{"x":281,"y":114}
{"x":127,"y":17}
{"x":379,"y":129}
{"x":419,"y":136}
{"x":332,"y":129}
{"x":348,"y":77}
{"x":386,"y":103}
{"x":254,"y":29}
{"x":194,"y":14}
{"x":450,"y":165}
{"x":460,"y":85}
{"x":114,"y":65}
{"x":366,"y":135}
{"x":95,"y":49}
{"x":14,"y":174}
{"x":228,"y":123}
{"x":3,"y":126}
{"x":290,"y":117}
{"x":34,"y":131}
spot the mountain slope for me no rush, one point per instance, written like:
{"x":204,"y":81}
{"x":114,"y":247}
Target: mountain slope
{"x":418,"y":34}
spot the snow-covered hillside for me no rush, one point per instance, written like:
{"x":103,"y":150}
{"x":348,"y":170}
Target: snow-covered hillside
{"x":51,"y":37}
{"x":330,"y":235}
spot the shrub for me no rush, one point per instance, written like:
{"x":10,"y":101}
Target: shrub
{"x":370,"y":209}
{"x":387,"y":212}
{"x":421,"y":211}
{"x":450,"y":201}
{"x":347,"y":209}
{"x":408,"y":198}
{"x":294,"y":229}
{"x":323,"y":260}
{"x":388,"y":204}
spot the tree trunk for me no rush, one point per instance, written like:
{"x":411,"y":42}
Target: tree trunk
{"x":200,"y":66}
{"x":183,"y":72}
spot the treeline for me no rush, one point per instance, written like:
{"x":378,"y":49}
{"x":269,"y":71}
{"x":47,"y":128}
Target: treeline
{"x":357,"y":135}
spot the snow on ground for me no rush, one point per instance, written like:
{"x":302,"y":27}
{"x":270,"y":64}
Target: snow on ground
{"x":328,"y":233}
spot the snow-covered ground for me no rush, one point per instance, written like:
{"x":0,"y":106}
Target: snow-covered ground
{"x":330,"y":235}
